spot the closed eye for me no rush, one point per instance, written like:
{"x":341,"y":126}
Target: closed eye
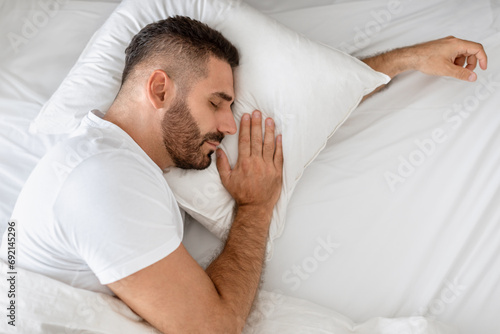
{"x":214,"y":105}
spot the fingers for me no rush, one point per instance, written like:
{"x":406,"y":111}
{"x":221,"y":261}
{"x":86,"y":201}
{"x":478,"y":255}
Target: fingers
{"x":479,"y":55}
{"x":278,"y":154}
{"x":460,"y":61}
{"x":223,"y":166}
{"x":256,"y":133}
{"x":471,"y":63}
{"x":251,"y":143}
{"x":472,"y":49}
{"x":268,"y":150}
{"x":460,"y":72}
{"x":465,"y":53}
{"x":257,"y":176}
{"x":244,"y":137}
{"x":452,"y":57}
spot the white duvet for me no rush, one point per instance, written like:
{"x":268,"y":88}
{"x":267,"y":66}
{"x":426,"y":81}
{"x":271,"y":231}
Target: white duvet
{"x":43,"y":305}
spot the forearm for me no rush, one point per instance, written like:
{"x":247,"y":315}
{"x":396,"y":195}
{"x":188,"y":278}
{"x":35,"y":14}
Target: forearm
{"x":392,"y":62}
{"x":255,"y":184}
{"x":447,"y":56}
{"x":237,"y":270}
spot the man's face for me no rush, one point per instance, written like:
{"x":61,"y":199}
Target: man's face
{"x":196,"y":123}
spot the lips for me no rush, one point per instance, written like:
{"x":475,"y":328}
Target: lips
{"x":213,"y":143}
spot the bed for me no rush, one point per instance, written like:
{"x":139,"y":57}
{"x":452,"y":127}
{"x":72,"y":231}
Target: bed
{"x":391,"y":229}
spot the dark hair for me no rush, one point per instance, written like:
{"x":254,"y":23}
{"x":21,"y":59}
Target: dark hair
{"x":180,"y":46}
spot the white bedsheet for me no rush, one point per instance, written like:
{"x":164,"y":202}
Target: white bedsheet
{"x":351,"y":244}
{"x":428,"y":247}
{"x":428,"y":244}
{"x":44,"y":305}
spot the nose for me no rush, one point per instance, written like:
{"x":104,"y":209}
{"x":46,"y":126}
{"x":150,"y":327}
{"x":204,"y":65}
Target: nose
{"x":225,"y":122}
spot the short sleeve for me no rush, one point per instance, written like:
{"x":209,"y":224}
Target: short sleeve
{"x":118,"y":214}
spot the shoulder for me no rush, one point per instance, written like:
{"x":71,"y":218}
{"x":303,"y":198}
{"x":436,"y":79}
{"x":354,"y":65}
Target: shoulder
{"x":112,"y":198}
{"x":101,"y":151}
{"x":116,"y":177}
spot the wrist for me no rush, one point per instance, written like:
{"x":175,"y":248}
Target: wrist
{"x":259,"y":211}
{"x":408,"y":58}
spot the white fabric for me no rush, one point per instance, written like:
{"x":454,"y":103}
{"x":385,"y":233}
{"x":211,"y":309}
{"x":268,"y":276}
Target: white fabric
{"x":428,"y":244}
{"x":431,"y":246}
{"x":49,"y":306}
{"x":398,"y":254}
{"x":309,"y":90}
{"x":30,"y":73}
{"x":95,"y":209}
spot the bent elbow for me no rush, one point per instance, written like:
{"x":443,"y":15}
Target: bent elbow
{"x":220,"y":320}
{"x":227,"y":321}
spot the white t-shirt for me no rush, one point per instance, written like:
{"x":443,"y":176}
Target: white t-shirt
{"x":95,"y":210}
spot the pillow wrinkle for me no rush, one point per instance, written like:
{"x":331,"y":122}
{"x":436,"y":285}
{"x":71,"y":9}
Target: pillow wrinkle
{"x":308,"y":88}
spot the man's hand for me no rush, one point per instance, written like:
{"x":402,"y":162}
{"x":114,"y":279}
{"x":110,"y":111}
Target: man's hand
{"x":257,"y":176}
{"x":445,"y":57}
{"x":174,"y":294}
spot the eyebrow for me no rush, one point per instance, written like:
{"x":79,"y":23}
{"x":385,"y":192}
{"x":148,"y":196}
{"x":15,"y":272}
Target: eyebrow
{"x":223,"y":96}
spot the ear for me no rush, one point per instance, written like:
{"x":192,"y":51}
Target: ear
{"x":159,"y":89}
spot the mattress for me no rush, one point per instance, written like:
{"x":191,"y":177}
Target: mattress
{"x":397,"y":216}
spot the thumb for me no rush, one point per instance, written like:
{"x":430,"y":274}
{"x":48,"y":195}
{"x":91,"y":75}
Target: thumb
{"x":223,"y":165}
{"x":462,"y":73}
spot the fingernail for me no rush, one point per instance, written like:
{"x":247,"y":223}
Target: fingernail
{"x":279,"y":138}
{"x":269,"y":122}
{"x":246,"y":117}
{"x":256,"y":114}
{"x":217,"y":153}
{"x":472,"y":77}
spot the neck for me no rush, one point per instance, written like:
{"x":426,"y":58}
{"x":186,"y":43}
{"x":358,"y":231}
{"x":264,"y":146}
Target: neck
{"x":144,"y":127}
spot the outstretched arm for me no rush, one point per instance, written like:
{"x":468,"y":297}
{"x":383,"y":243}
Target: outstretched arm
{"x":447,"y":56}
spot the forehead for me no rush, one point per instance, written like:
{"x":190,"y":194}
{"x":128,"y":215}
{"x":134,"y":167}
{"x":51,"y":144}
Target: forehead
{"x":218,"y":82}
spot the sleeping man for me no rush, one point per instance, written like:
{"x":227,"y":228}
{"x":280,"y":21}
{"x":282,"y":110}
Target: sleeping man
{"x":96,"y":212}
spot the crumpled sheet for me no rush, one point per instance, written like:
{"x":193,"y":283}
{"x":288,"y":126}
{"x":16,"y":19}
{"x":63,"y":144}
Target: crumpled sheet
{"x":45,"y":305}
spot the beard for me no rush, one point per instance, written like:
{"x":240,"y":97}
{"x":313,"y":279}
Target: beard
{"x":183,"y":139}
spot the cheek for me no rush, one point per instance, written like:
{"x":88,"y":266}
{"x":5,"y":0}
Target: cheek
{"x":205,"y":119}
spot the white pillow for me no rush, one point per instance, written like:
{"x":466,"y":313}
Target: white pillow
{"x":307,"y":88}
